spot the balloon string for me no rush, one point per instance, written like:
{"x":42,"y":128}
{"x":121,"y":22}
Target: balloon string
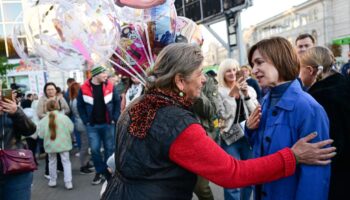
{"x":143,"y":45}
{"x":142,"y":81}
{"x":149,"y":45}
{"x":127,"y":71}
{"x":129,"y":56}
{"x":129,"y":66}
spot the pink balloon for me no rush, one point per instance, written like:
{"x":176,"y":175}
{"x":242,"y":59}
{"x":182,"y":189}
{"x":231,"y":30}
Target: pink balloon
{"x":133,"y":50}
{"x":139,"y":3}
{"x":79,"y":45}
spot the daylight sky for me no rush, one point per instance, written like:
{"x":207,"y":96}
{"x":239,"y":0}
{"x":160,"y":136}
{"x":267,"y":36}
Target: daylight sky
{"x":261,"y":10}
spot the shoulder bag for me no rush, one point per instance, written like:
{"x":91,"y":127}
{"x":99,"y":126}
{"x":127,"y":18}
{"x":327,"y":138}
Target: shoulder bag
{"x":236,"y":132}
{"x":14,"y":161}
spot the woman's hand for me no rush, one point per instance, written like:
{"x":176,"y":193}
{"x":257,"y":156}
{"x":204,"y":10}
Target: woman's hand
{"x":9,"y":106}
{"x":313,"y":153}
{"x":235,"y":90}
{"x":243,"y":85}
{"x":254,"y":119}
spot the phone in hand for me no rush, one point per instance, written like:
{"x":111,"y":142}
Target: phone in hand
{"x":239,"y":74}
{"x":6,"y":94}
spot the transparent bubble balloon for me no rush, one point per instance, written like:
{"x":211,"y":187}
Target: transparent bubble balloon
{"x":72,"y":34}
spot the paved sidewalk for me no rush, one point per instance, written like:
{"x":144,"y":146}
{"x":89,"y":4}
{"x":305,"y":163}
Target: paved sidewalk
{"x":82,"y":185}
{"x":83,"y":190}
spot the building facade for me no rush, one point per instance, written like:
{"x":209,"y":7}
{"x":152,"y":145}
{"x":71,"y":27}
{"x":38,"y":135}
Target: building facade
{"x":326,"y":20}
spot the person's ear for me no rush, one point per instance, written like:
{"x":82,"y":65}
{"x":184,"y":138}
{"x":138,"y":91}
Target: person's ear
{"x":312,"y":70}
{"x":179,"y":82}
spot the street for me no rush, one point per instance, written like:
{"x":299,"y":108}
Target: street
{"x":81,"y":183}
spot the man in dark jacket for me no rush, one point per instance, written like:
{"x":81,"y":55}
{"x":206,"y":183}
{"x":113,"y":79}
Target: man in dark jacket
{"x":14,"y":124}
{"x":205,"y":109}
{"x":99,"y":108}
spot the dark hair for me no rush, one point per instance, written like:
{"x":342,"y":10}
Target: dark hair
{"x":26,"y":103}
{"x":303,"y":36}
{"x":70,"y":80}
{"x":58,"y":90}
{"x":29,"y":95}
{"x":74,"y":90}
{"x":48,"y":84}
{"x":280,"y":52}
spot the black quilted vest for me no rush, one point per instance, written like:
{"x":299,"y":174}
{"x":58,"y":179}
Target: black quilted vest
{"x":143,"y":168}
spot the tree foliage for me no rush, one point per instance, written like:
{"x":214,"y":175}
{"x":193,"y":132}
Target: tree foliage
{"x":5,"y":66}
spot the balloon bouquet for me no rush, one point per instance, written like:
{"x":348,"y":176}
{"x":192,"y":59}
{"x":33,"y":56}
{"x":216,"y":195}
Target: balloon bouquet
{"x":128,"y":34}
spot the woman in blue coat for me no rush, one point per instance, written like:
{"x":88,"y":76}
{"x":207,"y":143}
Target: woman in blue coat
{"x":287,"y":114}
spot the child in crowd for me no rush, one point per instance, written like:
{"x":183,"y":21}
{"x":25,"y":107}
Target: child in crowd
{"x":56,"y":129}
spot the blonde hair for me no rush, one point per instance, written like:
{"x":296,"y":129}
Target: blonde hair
{"x":224,"y":66}
{"x":318,"y":56}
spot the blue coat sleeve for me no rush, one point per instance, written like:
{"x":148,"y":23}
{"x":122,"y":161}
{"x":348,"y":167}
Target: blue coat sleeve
{"x":81,"y":108}
{"x":313,"y":180}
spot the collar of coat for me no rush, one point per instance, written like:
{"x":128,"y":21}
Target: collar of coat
{"x":287,"y":101}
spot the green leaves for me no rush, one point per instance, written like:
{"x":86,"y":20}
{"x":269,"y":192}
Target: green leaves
{"x":5,"y":66}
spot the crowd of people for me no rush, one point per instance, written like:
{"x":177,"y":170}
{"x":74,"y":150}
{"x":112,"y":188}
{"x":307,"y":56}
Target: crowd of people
{"x":263,"y":130}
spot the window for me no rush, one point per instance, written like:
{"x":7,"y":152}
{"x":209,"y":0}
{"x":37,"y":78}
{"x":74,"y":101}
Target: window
{"x":11,"y":11}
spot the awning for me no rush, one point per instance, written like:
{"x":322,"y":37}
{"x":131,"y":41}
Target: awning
{"x":342,"y":41}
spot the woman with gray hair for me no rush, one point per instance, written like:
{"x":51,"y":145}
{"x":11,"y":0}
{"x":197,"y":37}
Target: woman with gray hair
{"x":161,"y":146}
{"x":237,"y":101}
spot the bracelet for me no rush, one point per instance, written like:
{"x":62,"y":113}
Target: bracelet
{"x":296,"y":158}
{"x":246,"y":98}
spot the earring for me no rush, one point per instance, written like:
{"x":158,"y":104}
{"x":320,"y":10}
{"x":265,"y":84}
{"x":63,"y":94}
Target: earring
{"x":181,"y":94}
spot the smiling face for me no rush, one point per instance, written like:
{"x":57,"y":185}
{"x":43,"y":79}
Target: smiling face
{"x":230,"y":75}
{"x":192,"y":85}
{"x":265,"y":72}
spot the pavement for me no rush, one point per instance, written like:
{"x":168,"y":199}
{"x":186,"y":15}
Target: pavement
{"x":82,"y":188}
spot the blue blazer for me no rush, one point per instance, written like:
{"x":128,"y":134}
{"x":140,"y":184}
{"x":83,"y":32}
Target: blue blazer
{"x":294,"y":116}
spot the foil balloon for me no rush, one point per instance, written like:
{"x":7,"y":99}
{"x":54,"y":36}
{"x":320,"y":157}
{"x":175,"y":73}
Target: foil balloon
{"x":187,"y":31}
{"x":132,"y":49}
{"x":139,"y":3}
{"x":132,"y":15}
{"x":161,"y":28}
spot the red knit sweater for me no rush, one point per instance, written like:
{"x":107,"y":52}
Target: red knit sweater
{"x":198,"y":153}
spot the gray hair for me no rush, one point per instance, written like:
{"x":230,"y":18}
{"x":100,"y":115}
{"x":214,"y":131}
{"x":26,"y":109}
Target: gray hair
{"x":177,"y":58}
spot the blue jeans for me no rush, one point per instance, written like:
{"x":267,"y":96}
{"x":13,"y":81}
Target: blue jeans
{"x":240,"y":150}
{"x":17,"y":186}
{"x":101,"y":133}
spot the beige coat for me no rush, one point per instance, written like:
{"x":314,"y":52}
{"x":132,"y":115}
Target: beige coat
{"x":41,"y":108}
{"x":228,"y":106}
